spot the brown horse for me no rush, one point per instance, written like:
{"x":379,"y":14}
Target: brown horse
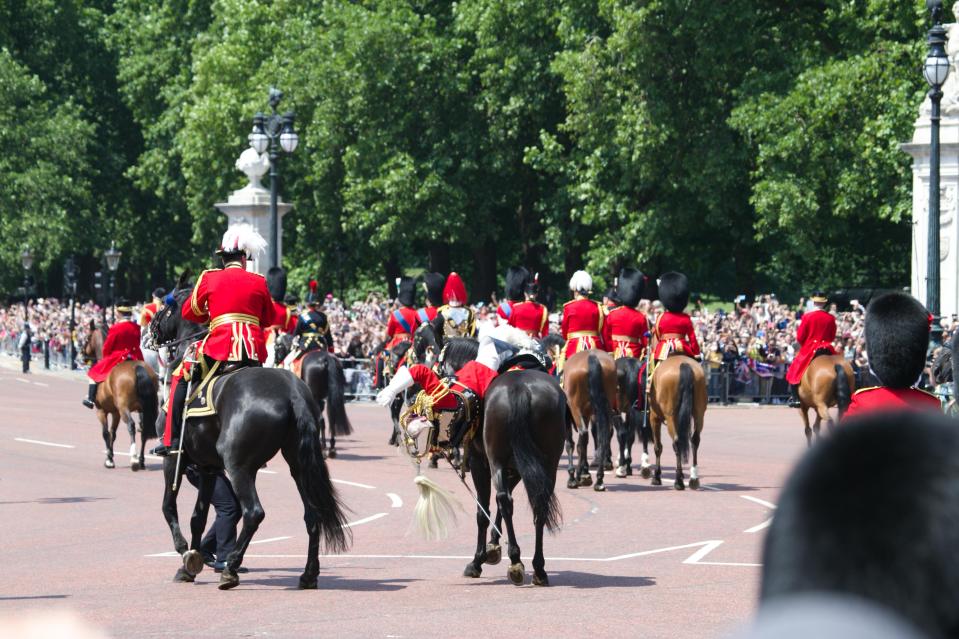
{"x":678,"y":397}
{"x":130,"y":387}
{"x":92,"y":350}
{"x":589,"y":380}
{"x":823,"y":386}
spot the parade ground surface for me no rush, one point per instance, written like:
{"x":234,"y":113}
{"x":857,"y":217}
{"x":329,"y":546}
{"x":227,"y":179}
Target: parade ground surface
{"x":637,"y":560}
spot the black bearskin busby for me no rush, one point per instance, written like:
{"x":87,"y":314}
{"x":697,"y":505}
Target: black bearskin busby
{"x":532,"y":287}
{"x":897,"y":336}
{"x":629,"y":286}
{"x":674,"y":291}
{"x":517,"y":279}
{"x":407,"y":291}
{"x":159,"y":293}
{"x":611,"y":295}
{"x":434,"y":282}
{"x":276,"y":283}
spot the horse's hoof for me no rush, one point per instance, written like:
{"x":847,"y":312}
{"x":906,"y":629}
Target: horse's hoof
{"x":629,"y":469}
{"x":306,"y":583}
{"x":433,"y":464}
{"x":608,"y":466}
{"x":572,"y":483}
{"x":134,"y":466}
{"x":332,"y":453}
{"x":679,"y":485}
{"x":228,"y":580}
{"x":393,"y":441}
{"x":656,"y":481}
{"x":109,"y":464}
{"x":694,"y":483}
{"x":586,"y":480}
{"x":540,"y":580}
{"x":517,"y":573}
{"x":472,"y":571}
{"x":645,"y":472}
{"x":193,"y":562}
{"x":600,"y":487}
{"x":494,"y":554}
{"x":183,"y":577}
{"x":621,"y":472}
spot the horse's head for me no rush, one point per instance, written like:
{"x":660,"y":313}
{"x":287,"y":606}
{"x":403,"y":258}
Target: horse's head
{"x":426,"y":346}
{"x":282,"y":344}
{"x":553,"y":344}
{"x":168,"y":325}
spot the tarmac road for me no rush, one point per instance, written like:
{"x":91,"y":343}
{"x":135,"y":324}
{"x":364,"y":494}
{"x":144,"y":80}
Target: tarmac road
{"x":634,"y":561}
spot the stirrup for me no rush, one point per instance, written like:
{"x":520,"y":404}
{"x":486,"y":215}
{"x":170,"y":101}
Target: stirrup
{"x":88,"y":403}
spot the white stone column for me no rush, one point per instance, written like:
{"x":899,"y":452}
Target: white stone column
{"x":251,"y":204}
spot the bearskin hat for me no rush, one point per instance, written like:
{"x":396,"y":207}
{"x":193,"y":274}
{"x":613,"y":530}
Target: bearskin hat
{"x":433,"y":283}
{"x":532,"y":286}
{"x":159,"y":293}
{"x":611,"y":295}
{"x":290,"y":299}
{"x":276,"y":283}
{"x":455,"y":290}
{"x":674,"y":291}
{"x":581,"y":282}
{"x":629,"y":286}
{"x":406,"y":287}
{"x":517,"y":280}
{"x":313,"y":297}
{"x":897,"y":337}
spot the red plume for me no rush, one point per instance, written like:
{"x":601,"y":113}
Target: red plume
{"x":313,"y":285}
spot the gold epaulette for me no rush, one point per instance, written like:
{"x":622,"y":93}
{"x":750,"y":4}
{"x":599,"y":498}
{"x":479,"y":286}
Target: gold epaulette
{"x":569,"y":302}
{"x":867,"y":388}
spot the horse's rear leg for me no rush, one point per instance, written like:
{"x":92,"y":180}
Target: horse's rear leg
{"x":656,"y":425}
{"x":823,"y":412}
{"x":193,"y":559}
{"x":143,"y":444}
{"x":171,"y":478}
{"x":694,"y":469}
{"x":572,"y":482}
{"x":244,"y":485}
{"x":479,"y":469}
{"x":678,"y":484}
{"x":395,"y":408}
{"x":504,"y":502}
{"x":107,"y":438}
{"x":582,"y":449}
{"x":132,"y":431}
{"x":804,"y":413}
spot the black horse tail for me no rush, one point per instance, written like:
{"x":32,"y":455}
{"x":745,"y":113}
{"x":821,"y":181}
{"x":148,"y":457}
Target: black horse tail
{"x":314,"y":478}
{"x":149,"y":404}
{"x":955,"y":366}
{"x":684,"y":412}
{"x":843,"y":394}
{"x":530,"y":462}
{"x":336,"y":406}
{"x":601,"y":408}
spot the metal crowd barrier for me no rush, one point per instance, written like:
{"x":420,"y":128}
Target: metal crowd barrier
{"x":359,"y":379}
{"x":41,"y":353}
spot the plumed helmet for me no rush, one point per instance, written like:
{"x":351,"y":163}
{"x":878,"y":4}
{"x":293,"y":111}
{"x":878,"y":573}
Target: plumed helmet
{"x":629,"y":286}
{"x":276,"y":283}
{"x":433,"y":283}
{"x":241,"y":239}
{"x":455,"y":290}
{"x":674,"y":291}
{"x":159,"y":293}
{"x":581,"y":282}
{"x":407,"y":291}
{"x":313,"y":297}
{"x":517,"y":279}
{"x":897,"y":336}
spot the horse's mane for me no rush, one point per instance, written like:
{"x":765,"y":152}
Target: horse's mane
{"x":552,"y":340}
{"x":459,"y":350}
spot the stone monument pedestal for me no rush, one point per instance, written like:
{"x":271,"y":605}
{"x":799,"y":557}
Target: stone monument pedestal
{"x":251,"y":205}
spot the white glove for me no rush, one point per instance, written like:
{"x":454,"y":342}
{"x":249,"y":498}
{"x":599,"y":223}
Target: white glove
{"x":400,"y":382}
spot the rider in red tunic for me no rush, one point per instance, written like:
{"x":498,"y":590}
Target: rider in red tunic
{"x":403,"y":321}
{"x":517,"y":279}
{"x":530,"y":316}
{"x":625,"y":329}
{"x":816,"y":333}
{"x":674,"y":330}
{"x":897,"y":337}
{"x":433,"y":284}
{"x":284,"y":317}
{"x":237,"y":306}
{"x":149,"y":310}
{"x":582,"y":324}
{"x":122,"y":343}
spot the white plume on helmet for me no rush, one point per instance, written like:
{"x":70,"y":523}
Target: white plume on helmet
{"x":581,"y":282}
{"x":245,"y":238}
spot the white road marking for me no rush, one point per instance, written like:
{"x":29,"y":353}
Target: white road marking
{"x":266,"y":471}
{"x":21,"y":380}
{"x":697,"y":557}
{"x":761,"y":502}
{"x":759,"y":527}
{"x":37,"y":441}
{"x":41,"y":384}
{"x":353,"y":483}
{"x":365,"y":520}
{"x":395,"y":500}
{"x":268,"y":540}
{"x":705,"y":487}
{"x":145,"y":456}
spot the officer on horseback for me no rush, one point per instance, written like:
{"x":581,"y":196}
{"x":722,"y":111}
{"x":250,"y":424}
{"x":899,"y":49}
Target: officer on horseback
{"x":517,"y":278}
{"x":674,"y":328}
{"x":625,"y":330}
{"x":237,"y":306}
{"x":284,"y":315}
{"x":122,"y":343}
{"x":582,"y":324}
{"x":816,"y":333}
{"x":433,"y":284}
{"x":458,"y":319}
{"x":528,"y":315}
{"x":312,"y":329}
{"x":149,"y":310}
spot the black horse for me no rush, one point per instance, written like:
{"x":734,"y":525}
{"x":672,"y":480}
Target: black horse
{"x":323,"y":373}
{"x":259,"y":411}
{"x":628,"y":421}
{"x":521,"y":438}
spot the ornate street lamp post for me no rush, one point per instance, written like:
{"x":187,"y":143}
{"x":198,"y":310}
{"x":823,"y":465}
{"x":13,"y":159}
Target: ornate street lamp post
{"x":935,"y":70}
{"x":26,"y":261}
{"x":113,"y":261}
{"x":274,"y":132}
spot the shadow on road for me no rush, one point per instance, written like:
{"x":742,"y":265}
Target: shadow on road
{"x":566,"y":579}
{"x":57,"y":500}
{"x":328,"y":582}
{"x":28,"y":597}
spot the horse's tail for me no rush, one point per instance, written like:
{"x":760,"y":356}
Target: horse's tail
{"x":149,"y":404}
{"x":955,"y":366}
{"x":684,"y":412}
{"x":843,"y":394}
{"x":530,"y":462}
{"x":601,"y":408}
{"x":314,"y":477}
{"x":336,"y":406}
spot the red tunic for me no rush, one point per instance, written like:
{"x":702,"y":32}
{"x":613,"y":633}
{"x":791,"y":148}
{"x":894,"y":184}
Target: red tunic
{"x":474,"y":376}
{"x":396,"y":330}
{"x":237,"y":305}
{"x":582,"y":325}
{"x":624,"y":332}
{"x":284,"y":317}
{"x":531,"y":317}
{"x":883,"y":398}
{"x":149,"y":310}
{"x":675,"y":324}
{"x":817,"y":330}
{"x":427,"y":314}
{"x":122,"y":343}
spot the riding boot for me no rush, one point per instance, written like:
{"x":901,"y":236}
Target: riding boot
{"x":91,"y":399}
{"x":176,"y":421}
{"x":794,"y":396}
